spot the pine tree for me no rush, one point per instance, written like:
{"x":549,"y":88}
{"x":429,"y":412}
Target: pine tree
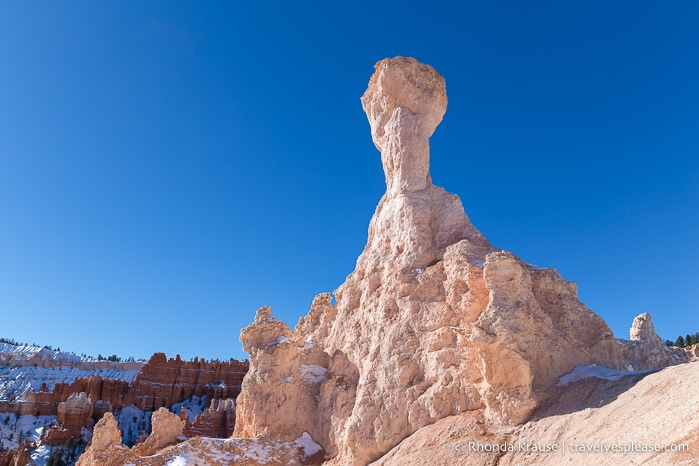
{"x":688,"y":340}
{"x":679,"y":342}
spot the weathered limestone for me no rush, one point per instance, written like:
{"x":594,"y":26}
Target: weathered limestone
{"x":433,"y":322}
{"x":160,"y":382}
{"x":217,"y":421}
{"x":106,"y":448}
{"x":76,"y":413}
{"x":164,"y":449}
{"x":646,"y":349}
{"x":405,"y":102}
{"x":167,"y":430}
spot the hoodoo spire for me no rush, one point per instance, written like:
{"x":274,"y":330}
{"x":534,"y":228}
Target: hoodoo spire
{"x":405,"y":101}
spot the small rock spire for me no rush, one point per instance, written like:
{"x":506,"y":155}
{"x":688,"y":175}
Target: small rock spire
{"x":405,"y":101}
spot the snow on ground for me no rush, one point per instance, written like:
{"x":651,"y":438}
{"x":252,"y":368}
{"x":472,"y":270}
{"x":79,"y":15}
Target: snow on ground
{"x":242,"y":450}
{"x":15,"y":429}
{"x":177,"y":461}
{"x":21,"y":369}
{"x":308,"y":344}
{"x":280,"y":339}
{"x":584,"y":372}
{"x":133,"y":423}
{"x":18,"y":380}
{"x":257,"y":451}
{"x":313,"y":373}
{"x":194,"y":406}
{"x":40,"y":455}
{"x":310,"y":447}
{"x":28,"y":351}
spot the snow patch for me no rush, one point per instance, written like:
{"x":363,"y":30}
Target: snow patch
{"x":310,"y":447}
{"x":16,"y":381}
{"x":475,"y":260}
{"x":585,"y":372}
{"x":133,"y":423}
{"x":313,"y":373}
{"x":194,"y":406}
{"x":308,"y":344}
{"x":177,"y":461}
{"x":625,"y":343}
{"x":221,"y":384}
{"x":280,"y":339}
{"x":14,"y":430}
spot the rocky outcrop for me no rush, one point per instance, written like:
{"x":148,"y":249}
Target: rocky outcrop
{"x":279,"y":378}
{"x":16,"y":457}
{"x":57,"y":436}
{"x":79,"y":393}
{"x":160,"y":382}
{"x":106,"y":448}
{"x":217,"y":421}
{"x":167,"y":430}
{"x":75,"y":413}
{"x":433,"y":322}
{"x":163,"y":381}
{"x":646,"y":350}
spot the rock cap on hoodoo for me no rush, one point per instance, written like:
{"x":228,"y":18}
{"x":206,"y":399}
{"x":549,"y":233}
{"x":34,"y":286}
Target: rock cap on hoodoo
{"x":404,"y":102}
{"x":404,"y":82}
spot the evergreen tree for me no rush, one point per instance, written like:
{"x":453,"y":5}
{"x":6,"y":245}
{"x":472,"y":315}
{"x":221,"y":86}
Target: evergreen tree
{"x":688,"y":340}
{"x":679,"y":342}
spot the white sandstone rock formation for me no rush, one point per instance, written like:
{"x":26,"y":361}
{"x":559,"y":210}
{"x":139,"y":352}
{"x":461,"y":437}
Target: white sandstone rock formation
{"x":106,"y":448}
{"x":167,"y":430}
{"x":433,"y":322}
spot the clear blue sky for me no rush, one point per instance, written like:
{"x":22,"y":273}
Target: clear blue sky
{"x":166,"y":168}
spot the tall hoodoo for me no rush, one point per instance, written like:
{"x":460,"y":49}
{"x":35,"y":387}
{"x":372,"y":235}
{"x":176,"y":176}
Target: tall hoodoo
{"x":405,"y":101}
{"x":433,"y":321}
{"x":415,"y":220}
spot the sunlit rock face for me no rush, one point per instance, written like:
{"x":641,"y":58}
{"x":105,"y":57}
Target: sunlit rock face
{"x":433,"y":322}
{"x":75,"y":413}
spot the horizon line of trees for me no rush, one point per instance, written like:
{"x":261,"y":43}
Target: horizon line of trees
{"x":684,"y":342}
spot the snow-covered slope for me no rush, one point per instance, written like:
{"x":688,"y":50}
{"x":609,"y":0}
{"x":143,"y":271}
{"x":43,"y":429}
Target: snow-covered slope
{"x":15,"y":381}
{"x":26,"y":368}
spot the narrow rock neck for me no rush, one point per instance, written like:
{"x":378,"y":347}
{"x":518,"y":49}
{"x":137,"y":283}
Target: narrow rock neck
{"x":405,"y":153}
